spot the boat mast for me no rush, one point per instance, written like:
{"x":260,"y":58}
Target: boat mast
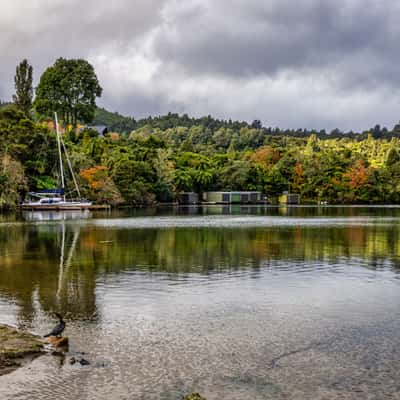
{"x":59,"y":155}
{"x":70,"y":168}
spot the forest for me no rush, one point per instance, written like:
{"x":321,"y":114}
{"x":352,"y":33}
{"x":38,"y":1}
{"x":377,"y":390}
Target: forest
{"x":150,"y":160}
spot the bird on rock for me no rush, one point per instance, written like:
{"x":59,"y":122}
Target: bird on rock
{"x":58,"y":329}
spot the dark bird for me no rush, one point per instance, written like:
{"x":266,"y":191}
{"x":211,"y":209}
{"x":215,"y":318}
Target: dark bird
{"x":58,"y":329}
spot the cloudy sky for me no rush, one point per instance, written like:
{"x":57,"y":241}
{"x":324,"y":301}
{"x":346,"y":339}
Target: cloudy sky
{"x":293,"y":64}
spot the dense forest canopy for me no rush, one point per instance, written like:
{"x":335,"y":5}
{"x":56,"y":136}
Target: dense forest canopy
{"x":154,"y":159}
{"x":162,"y":157}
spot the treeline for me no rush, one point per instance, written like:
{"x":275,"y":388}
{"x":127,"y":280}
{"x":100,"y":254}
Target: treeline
{"x":154,"y":165}
{"x":122,"y":124}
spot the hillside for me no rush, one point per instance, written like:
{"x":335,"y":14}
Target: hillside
{"x":114,"y":121}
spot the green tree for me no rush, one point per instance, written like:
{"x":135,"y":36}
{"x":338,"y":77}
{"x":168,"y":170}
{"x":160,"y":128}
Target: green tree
{"x":234,"y":175}
{"x":29,"y":143}
{"x":12,"y":181}
{"x":183,"y":179}
{"x":134,"y":180}
{"x":70,"y":88}
{"x":23,"y":87}
{"x":165,"y":169}
{"x":392,"y":157}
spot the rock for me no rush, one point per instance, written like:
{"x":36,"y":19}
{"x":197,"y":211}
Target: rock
{"x":17,"y":347}
{"x":193,"y":396}
{"x":58,"y":341}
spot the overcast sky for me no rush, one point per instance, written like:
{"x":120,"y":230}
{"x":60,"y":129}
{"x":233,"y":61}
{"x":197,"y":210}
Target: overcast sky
{"x":291,"y":63}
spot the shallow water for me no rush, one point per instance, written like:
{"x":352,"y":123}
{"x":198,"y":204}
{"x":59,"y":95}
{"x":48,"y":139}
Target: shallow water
{"x":235,"y":303}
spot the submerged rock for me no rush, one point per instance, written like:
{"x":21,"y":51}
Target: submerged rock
{"x":193,"y":396}
{"x":17,"y":347}
{"x":81,"y":361}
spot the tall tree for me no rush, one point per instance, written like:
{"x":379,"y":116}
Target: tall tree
{"x":69,"y":87}
{"x":23,"y":87}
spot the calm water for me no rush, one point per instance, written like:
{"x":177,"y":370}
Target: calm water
{"x":235,"y":303}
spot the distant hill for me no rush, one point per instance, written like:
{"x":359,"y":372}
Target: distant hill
{"x":114,"y":121}
{"x":122,"y":124}
{"x":173,"y":120}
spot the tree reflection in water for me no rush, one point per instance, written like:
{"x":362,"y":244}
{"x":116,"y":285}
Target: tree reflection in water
{"x":55,"y":265}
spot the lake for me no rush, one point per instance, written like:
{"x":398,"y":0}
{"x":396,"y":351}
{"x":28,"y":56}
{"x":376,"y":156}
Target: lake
{"x":232,"y":302}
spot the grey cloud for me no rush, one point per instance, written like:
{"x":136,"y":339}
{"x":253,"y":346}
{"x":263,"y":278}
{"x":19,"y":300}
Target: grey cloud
{"x":303,"y":63}
{"x":142,"y":104}
{"x":44,"y":30}
{"x":250,"y":38}
{"x":77,"y":26}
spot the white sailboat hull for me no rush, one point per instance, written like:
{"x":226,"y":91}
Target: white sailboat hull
{"x":49,"y":200}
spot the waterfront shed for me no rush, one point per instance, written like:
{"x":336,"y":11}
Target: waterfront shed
{"x":238,"y":197}
{"x":188,"y":198}
{"x":289,"y":198}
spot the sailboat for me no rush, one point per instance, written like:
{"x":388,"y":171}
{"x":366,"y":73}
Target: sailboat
{"x":55,"y":199}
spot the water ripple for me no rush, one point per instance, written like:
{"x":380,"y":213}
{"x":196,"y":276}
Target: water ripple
{"x":238,"y":221}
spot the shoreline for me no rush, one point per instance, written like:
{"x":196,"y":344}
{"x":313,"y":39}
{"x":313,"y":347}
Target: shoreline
{"x":17,"y":348}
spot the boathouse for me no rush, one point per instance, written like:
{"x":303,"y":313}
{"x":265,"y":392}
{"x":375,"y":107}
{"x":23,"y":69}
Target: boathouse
{"x":232,"y":197}
{"x":289,"y":198}
{"x":188,"y":198}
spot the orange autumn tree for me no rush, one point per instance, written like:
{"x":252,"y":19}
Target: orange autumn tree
{"x":265,"y":156}
{"x":298,"y":178}
{"x":358,"y":176}
{"x":99,"y":185}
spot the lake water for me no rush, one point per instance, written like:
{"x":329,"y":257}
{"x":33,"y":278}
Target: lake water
{"x":235,"y":303}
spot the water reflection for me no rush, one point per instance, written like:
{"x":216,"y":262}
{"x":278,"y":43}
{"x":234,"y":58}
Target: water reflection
{"x":36,"y":271}
{"x":206,"y":299}
{"x":54,"y":215}
{"x":60,"y":261}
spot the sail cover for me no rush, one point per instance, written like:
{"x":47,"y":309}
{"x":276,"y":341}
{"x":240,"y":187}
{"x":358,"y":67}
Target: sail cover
{"x":50,"y":191}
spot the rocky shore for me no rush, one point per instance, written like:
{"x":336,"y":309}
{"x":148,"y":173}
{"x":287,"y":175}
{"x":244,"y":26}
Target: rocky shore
{"x":17,"y":348}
